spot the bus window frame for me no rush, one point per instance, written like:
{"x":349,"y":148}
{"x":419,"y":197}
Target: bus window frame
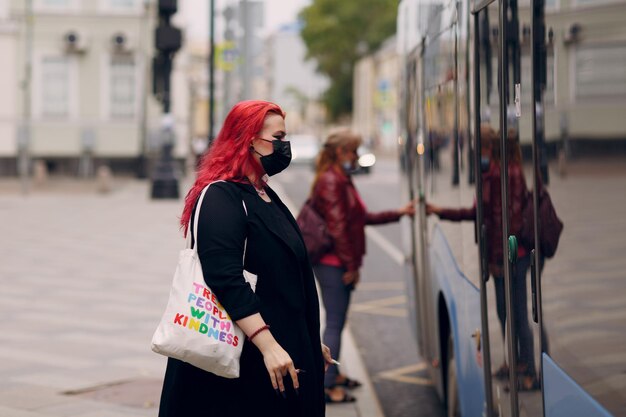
{"x":503,"y":94}
{"x":481,"y":5}
{"x":480,"y":227}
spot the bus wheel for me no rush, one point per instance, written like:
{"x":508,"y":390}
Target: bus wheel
{"x":452,"y":397}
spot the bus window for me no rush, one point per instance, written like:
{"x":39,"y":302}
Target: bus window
{"x":584,"y":284}
{"x":445,"y":132}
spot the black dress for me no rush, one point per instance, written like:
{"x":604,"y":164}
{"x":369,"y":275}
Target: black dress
{"x":285,"y":296}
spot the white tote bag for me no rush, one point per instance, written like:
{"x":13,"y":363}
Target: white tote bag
{"x":195,"y":327}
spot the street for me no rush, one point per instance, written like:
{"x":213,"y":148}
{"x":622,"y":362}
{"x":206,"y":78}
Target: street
{"x":85,"y":277}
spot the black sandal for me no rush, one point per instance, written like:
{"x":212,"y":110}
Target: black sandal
{"x":348,"y":383}
{"x":502,"y":372}
{"x":528,"y":383}
{"x":347,"y":398}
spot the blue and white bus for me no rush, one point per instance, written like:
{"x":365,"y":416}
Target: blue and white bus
{"x":552,"y":74}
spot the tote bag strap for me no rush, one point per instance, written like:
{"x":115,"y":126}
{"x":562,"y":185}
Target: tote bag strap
{"x":188,"y":240}
{"x":197,"y":218}
{"x":245,"y":242}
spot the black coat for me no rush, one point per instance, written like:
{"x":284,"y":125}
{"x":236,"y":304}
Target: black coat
{"x":285,"y":296}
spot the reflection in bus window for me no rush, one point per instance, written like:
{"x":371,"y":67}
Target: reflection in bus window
{"x":584,"y":284}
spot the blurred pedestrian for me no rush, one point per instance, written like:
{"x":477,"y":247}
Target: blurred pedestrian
{"x":283,"y":360}
{"x":199,"y":145}
{"x":336,"y":199}
{"x":492,"y":218}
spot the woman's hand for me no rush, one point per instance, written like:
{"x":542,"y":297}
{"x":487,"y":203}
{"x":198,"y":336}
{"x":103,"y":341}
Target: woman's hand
{"x":408,"y":210}
{"x":328,"y":359}
{"x":351,"y":278}
{"x":432,"y":209}
{"x":277,"y":361}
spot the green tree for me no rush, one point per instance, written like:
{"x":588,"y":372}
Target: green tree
{"x":339,"y":32}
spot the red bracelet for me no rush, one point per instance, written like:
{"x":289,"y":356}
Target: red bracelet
{"x":253,"y":335}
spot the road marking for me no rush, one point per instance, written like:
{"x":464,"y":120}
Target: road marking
{"x":385,"y":302}
{"x":387,"y":247}
{"x":403,"y":374}
{"x":382,"y":306}
{"x":383,"y":311}
{"x":378,"y":286}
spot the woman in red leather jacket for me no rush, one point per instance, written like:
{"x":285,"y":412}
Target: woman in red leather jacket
{"x":338,"y":202}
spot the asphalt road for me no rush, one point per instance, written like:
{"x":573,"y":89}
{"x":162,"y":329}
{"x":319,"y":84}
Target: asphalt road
{"x":378,"y":314}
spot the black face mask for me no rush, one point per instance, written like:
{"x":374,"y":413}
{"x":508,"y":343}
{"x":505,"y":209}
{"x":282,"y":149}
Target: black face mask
{"x":277,"y":160}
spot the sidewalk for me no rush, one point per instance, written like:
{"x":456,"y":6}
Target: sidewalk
{"x":83,"y":281}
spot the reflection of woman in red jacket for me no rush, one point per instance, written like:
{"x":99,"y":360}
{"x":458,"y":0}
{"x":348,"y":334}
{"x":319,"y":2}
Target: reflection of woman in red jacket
{"x":337,"y":200}
{"x":492,"y":218}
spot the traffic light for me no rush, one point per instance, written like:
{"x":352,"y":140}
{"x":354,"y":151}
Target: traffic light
{"x":168,"y":39}
{"x":167,"y":7}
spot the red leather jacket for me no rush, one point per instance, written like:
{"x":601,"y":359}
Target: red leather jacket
{"x":337,"y":200}
{"x":492,"y":212}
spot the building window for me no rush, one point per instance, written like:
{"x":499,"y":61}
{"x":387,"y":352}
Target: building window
{"x":55,"y":87}
{"x":600,"y":71}
{"x":550,"y":4}
{"x":4,"y":9}
{"x":55,"y":5}
{"x":595,"y":2}
{"x":123,"y":4}
{"x":123,"y":87}
{"x":527,"y":87}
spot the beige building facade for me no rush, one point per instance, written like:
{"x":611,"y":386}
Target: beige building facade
{"x":8,"y":82}
{"x":287,"y":78}
{"x":375,"y":97}
{"x":90,"y":84}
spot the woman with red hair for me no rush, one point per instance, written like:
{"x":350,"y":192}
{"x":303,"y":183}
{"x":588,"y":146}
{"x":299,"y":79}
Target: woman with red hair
{"x":283,"y":361}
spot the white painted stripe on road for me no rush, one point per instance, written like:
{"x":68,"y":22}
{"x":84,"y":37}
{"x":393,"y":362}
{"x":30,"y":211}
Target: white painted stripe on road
{"x":387,"y":247}
{"x":368,"y":404}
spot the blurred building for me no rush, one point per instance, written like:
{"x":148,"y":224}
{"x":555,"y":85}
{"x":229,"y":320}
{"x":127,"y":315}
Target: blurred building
{"x":90,"y":98}
{"x":198,"y":86}
{"x":375,"y":111}
{"x":291,"y":81}
{"x":9,"y":84}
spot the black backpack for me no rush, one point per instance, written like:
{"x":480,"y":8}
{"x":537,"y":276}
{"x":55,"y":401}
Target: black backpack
{"x":550,"y":226}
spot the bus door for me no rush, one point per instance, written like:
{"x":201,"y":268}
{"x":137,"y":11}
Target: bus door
{"x":523,"y":57}
{"x":413,"y":173}
{"x":486,"y":116}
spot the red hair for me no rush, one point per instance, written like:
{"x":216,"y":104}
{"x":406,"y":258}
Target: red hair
{"x":229,"y":157}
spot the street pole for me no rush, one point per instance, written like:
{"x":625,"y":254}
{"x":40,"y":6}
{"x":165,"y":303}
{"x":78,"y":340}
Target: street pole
{"x":244,"y":11}
{"x":211,"y":72}
{"x":168,"y":40}
{"x":24,"y":137}
{"x":142,"y":169}
{"x":228,"y":59}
